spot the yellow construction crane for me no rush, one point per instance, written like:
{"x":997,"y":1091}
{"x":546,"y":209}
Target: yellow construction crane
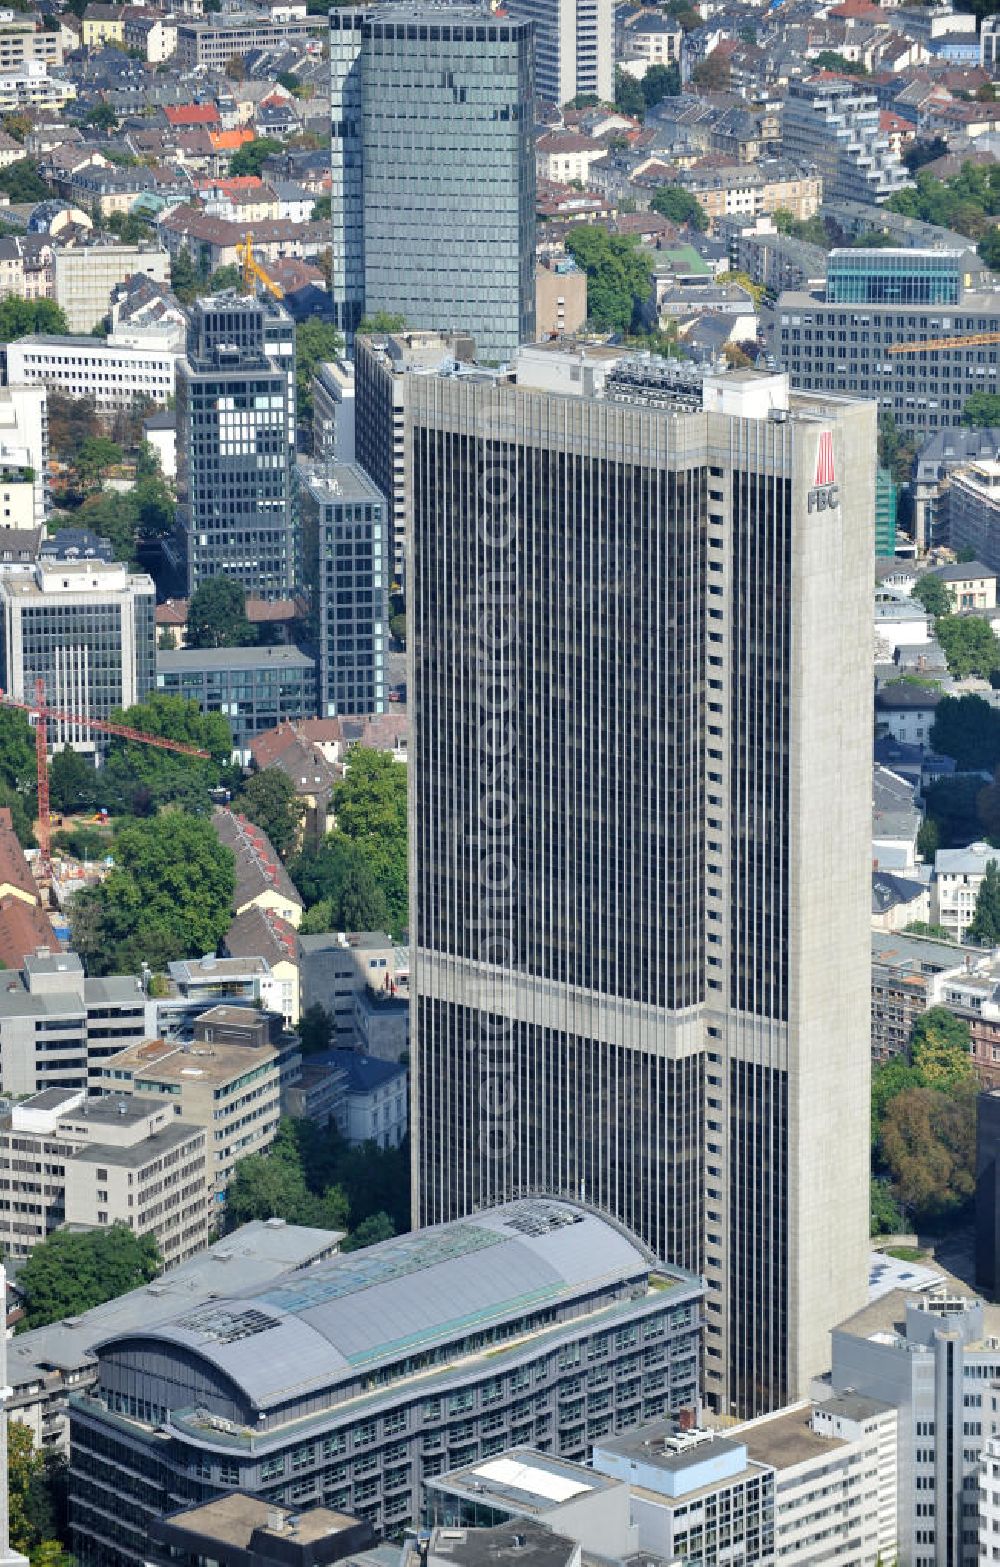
{"x":931,"y":344}
{"x":253,"y":272}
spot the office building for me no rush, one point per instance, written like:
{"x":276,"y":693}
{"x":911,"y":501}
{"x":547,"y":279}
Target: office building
{"x":45,"y":1365}
{"x":69,"y":1160}
{"x":831,"y":125}
{"x":210,"y":44}
{"x":335,"y":965}
{"x":642,"y":718}
{"x":989,"y":43}
{"x":333,"y":412}
{"x":255,"y":688}
{"x":347,"y":549}
{"x":862,"y":335}
{"x":238,"y":1530}
{"x":433,"y":193}
{"x":932,"y":1354}
{"x":574,"y":47}
{"x":57,"y":1027}
{"x":232,"y":1090}
{"x":86,"y":629}
{"x":24,"y":447}
{"x":236,"y":445}
{"x":811,"y":1482}
{"x":84,"y":278}
{"x":127,"y":367}
{"x":352,"y":1384}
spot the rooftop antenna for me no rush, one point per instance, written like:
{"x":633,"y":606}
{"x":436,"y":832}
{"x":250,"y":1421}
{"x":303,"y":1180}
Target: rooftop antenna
{"x":7,"y":1556}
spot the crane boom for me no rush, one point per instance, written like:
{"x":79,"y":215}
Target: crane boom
{"x":253,"y":272}
{"x":933,"y":344}
{"x":40,"y":711}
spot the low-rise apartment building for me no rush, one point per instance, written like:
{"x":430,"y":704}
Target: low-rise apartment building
{"x":67,"y":1159}
{"x":23,"y":38}
{"x":29,"y":86}
{"x":751,"y":191}
{"x":57,"y":1027}
{"x":231,"y":1090}
{"x":971,"y":508}
{"x":958,"y":876}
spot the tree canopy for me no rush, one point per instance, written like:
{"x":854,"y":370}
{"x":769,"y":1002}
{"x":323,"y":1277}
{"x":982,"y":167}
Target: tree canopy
{"x":71,"y":1272}
{"x":969,"y":645}
{"x":618,"y":274}
{"x":929,"y":1144}
{"x":316,"y":342}
{"x":251,"y":157}
{"x":311,"y":1175}
{"x":22,"y":317}
{"x":941,"y":1049}
{"x":140,"y":779}
{"x":985,"y":926}
{"x":128,"y":519}
{"x":933,"y":594}
{"x":37,"y":1499}
{"x":982,"y":410}
{"x":967,"y":202}
{"x":679,"y":205}
{"x":341,"y":888}
{"x":967,"y":728}
{"x":22,"y":182}
{"x":370,"y":809}
{"x":217,"y":614}
{"x":169,"y":896}
{"x":269,"y":799}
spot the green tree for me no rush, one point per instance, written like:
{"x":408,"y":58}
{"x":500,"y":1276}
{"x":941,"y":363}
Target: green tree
{"x":989,"y":253}
{"x":933,"y":594}
{"x":382,"y":321}
{"x":73,"y":783}
{"x":17,"y":755}
{"x":926,"y":928}
{"x":940,"y":1049}
{"x":397,"y":626}
{"x":928,"y":840}
{"x":17,"y":124}
{"x":629,"y":96}
{"x":659,"y":82}
{"x":169,"y":896}
{"x":321,"y":212}
{"x":370,"y":810}
{"x":316,"y":342}
{"x":985,"y":926}
{"x":23,"y":317}
{"x":96,"y":455}
{"x":269,"y":799}
{"x":69,"y":1273}
{"x":315,"y":1030}
{"x":678,"y":204}
{"x":968,"y":729}
{"x":889,"y":1078}
{"x":982,"y":410}
{"x":102,"y":116}
{"x":929,"y":1145}
{"x":251,"y":157}
{"x":140,"y":779}
{"x":36,"y":1486}
{"x":22,"y":182}
{"x":185,"y":278}
{"x":369,"y":1232}
{"x":225,"y":279}
{"x":236,"y":68}
{"x":712,"y":74}
{"x":830,"y":60}
{"x":618,"y":274}
{"x":953,"y":803}
{"x":886,"y":1218}
{"x":217,"y":614}
{"x":969,"y":645}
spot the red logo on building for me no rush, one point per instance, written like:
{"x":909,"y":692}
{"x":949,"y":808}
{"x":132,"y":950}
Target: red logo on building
{"x":824,"y":460}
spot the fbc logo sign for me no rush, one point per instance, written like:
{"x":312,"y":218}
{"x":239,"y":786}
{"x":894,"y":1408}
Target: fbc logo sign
{"x":825,"y":493}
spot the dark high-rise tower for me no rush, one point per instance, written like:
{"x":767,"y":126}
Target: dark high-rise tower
{"x":640,"y":630}
{"x":236,"y":445}
{"x":433,"y":191}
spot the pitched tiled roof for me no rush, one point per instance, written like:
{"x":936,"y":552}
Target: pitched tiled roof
{"x":186,"y":115}
{"x":258,"y":868}
{"x":260,"y":933}
{"x":14,"y":870}
{"x":23,"y":929}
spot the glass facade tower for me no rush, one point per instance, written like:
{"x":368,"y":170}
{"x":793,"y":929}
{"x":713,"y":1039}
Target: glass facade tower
{"x":640,"y":777}
{"x":236,"y":445}
{"x":896,"y":277}
{"x":433,"y":184}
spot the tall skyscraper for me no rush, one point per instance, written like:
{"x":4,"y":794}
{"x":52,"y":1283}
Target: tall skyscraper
{"x":640,"y":631}
{"x":433,"y":164}
{"x":347,"y":563}
{"x":236,"y":445}
{"x":574,"y":46}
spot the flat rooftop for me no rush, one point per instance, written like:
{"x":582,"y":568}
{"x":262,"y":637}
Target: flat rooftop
{"x":174,"y":1135}
{"x":215,"y":1063}
{"x":528,"y":1482}
{"x":338,"y":482}
{"x":233,"y":1519}
{"x":646,"y":1445}
{"x":785,"y":1439}
{"x":179,"y":661}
